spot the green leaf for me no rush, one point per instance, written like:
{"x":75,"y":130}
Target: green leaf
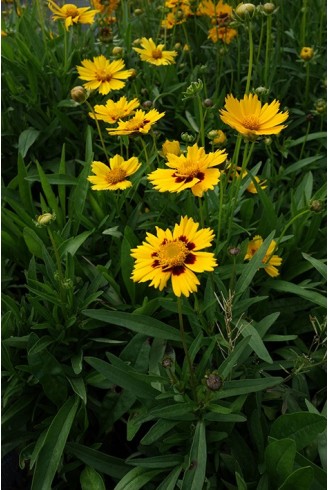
{"x":136,"y":479}
{"x":309,"y":137}
{"x":301,"y":479}
{"x":126,"y":379}
{"x":301,"y":164}
{"x":317,"y":264}
{"x":255,"y":341}
{"x":50,"y":195}
{"x":91,"y":480}
{"x":53,"y":445}
{"x":33,"y":242}
{"x":303,"y":427}
{"x":194,"y":475}
{"x":231,"y":361}
{"x":178,"y":411}
{"x":160,"y":428}
{"x":165,"y":461}
{"x":137,"y":323}
{"x":24,"y":188}
{"x":79,"y":388}
{"x":301,"y":291}
{"x":233,"y":388}
{"x":109,"y":465}
{"x":54,"y":179}
{"x":241,"y":485}
{"x":127,"y":262}
{"x":169,"y":483}
{"x":71,"y":245}
{"x":279,"y":459}
{"x":26,"y":140}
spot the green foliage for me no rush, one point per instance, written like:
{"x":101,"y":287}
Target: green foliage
{"x":113,"y":384}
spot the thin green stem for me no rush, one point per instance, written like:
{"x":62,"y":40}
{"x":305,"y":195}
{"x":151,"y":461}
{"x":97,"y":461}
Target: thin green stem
{"x":251,"y":55}
{"x":98,"y":129}
{"x":59,"y":270}
{"x":220,"y":219}
{"x":290,"y":222}
{"x":201,"y":121}
{"x":187,"y":42}
{"x":305,"y":139}
{"x":267,"y":51}
{"x":307,"y":84}
{"x":259,"y":49}
{"x":185,"y":348}
{"x":303,"y":24}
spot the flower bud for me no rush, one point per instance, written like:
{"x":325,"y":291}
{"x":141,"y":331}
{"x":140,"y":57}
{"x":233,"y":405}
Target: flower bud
{"x":117,"y":51}
{"x":306,"y":53}
{"x":105,"y":34}
{"x":261,"y":91}
{"x":138,"y":12}
{"x":321,"y":106}
{"x":217,"y":136}
{"x":234,"y":251}
{"x":208,"y":103}
{"x":193,"y":89}
{"x":245,"y":11}
{"x":268,"y":141}
{"x":316,"y":206}
{"x":167,"y":362}
{"x":213,"y":381}
{"x":177,"y":46}
{"x":187,"y":137}
{"x":268,"y":8}
{"x":79,"y":94}
{"x":45,"y":219}
{"x":133,"y":73}
{"x":147,"y":104}
{"x":171,"y":147}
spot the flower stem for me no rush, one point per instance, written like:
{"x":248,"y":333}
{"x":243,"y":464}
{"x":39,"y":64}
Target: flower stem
{"x":250,"y":61}
{"x":98,"y":129}
{"x":201,"y":121}
{"x":60,"y":271}
{"x":307,"y":83}
{"x":185,"y":348}
{"x":267,"y":51}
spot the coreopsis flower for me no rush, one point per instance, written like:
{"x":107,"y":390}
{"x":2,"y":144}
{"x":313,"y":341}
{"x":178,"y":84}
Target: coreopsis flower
{"x":249,"y":118}
{"x":141,"y":123}
{"x":174,"y":255}
{"x":103,"y":75}
{"x":105,"y":6}
{"x":225,"y":34}
{"x":306,"y":53}
{"x":252,"y":189}
{"x":171,"y":147}
{"x":220,"y":12}
{"x":72,"y":14}
{"x":191,"y":171}
{"x":113,"y":176}
{"x":271,"y":261}
{"x":153,"y":54}
{"x":217,"y":137}
{"x":113,"y":111}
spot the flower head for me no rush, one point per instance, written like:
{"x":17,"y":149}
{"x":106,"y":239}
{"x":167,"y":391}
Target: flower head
{"x":113,"y":111}
{"x":271,"y":261}
{"x":249,"y":118}
{"x":72,"y":14}
{"x":225,"y":34}
{"x":174,"y":255}
{"x":103,"y":75}
{"x":192,"y":171}
{"x":251,"y":187}
{"x":171,"y":147}
{"x":155,"y":54}
{"x":113,"y":176}
{"x":105,"y":6}
{"x":141,"y":122}
{"x":306,"y":53}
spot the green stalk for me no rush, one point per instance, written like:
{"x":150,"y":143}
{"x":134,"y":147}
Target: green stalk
{"x":218,"y":235}
{"x":98,"y":129}
{"x":201,"y":121}
{"x":251,"y":55}
{"x":62,"y":294}
{"x":305,"y":139}
{"x":259,"y":50}
{"x":303,"y":24}
{"x":307,"y":83}
{"x":193,"y":382}
{"x":267,"y":51}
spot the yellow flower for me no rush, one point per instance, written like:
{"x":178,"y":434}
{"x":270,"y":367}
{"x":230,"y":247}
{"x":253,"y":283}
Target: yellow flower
{"x":306,"y":53}
{"x":72,"y":14}
{"x":155,"y":54}
{"x":221,"y":11}
{"x":219,"y":137}
{"x":171,"y":147}
{"x":271,"y":261}
{"x":113,"y":176}
{"x":103,"y":75}
{"x":226,"y":34}
{"x":192,"y":171}
{"x":249,"y":118}
{"x":252,"y":189}
{"x":174,"y":255}
{"x":105,"y":6}
{"x":113,"y":111}
{"x":141,"y":122}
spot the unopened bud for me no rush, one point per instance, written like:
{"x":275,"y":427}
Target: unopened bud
{"x":208,"y":103}
{"x":261,"y":91}
{"x":147,"y":104}
{"x":138,"y":12}
{"x":316,"y":206}
{"x":167,"y":362}
{"x":268,"y":8}
{"x":187,"y":137}
{"x":133,"y":73}
{"x":306,"y":53}
{"x":245,"y":11}
{"x":117,"y":51}
{"x":177,"y":46}
{"x":321,"y":106}
{"x":45,"y":219}
{"x":79,"y":94}
{"x":268,"y":141}
{"x":234,"y":251}
{"x":213,"y":382}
